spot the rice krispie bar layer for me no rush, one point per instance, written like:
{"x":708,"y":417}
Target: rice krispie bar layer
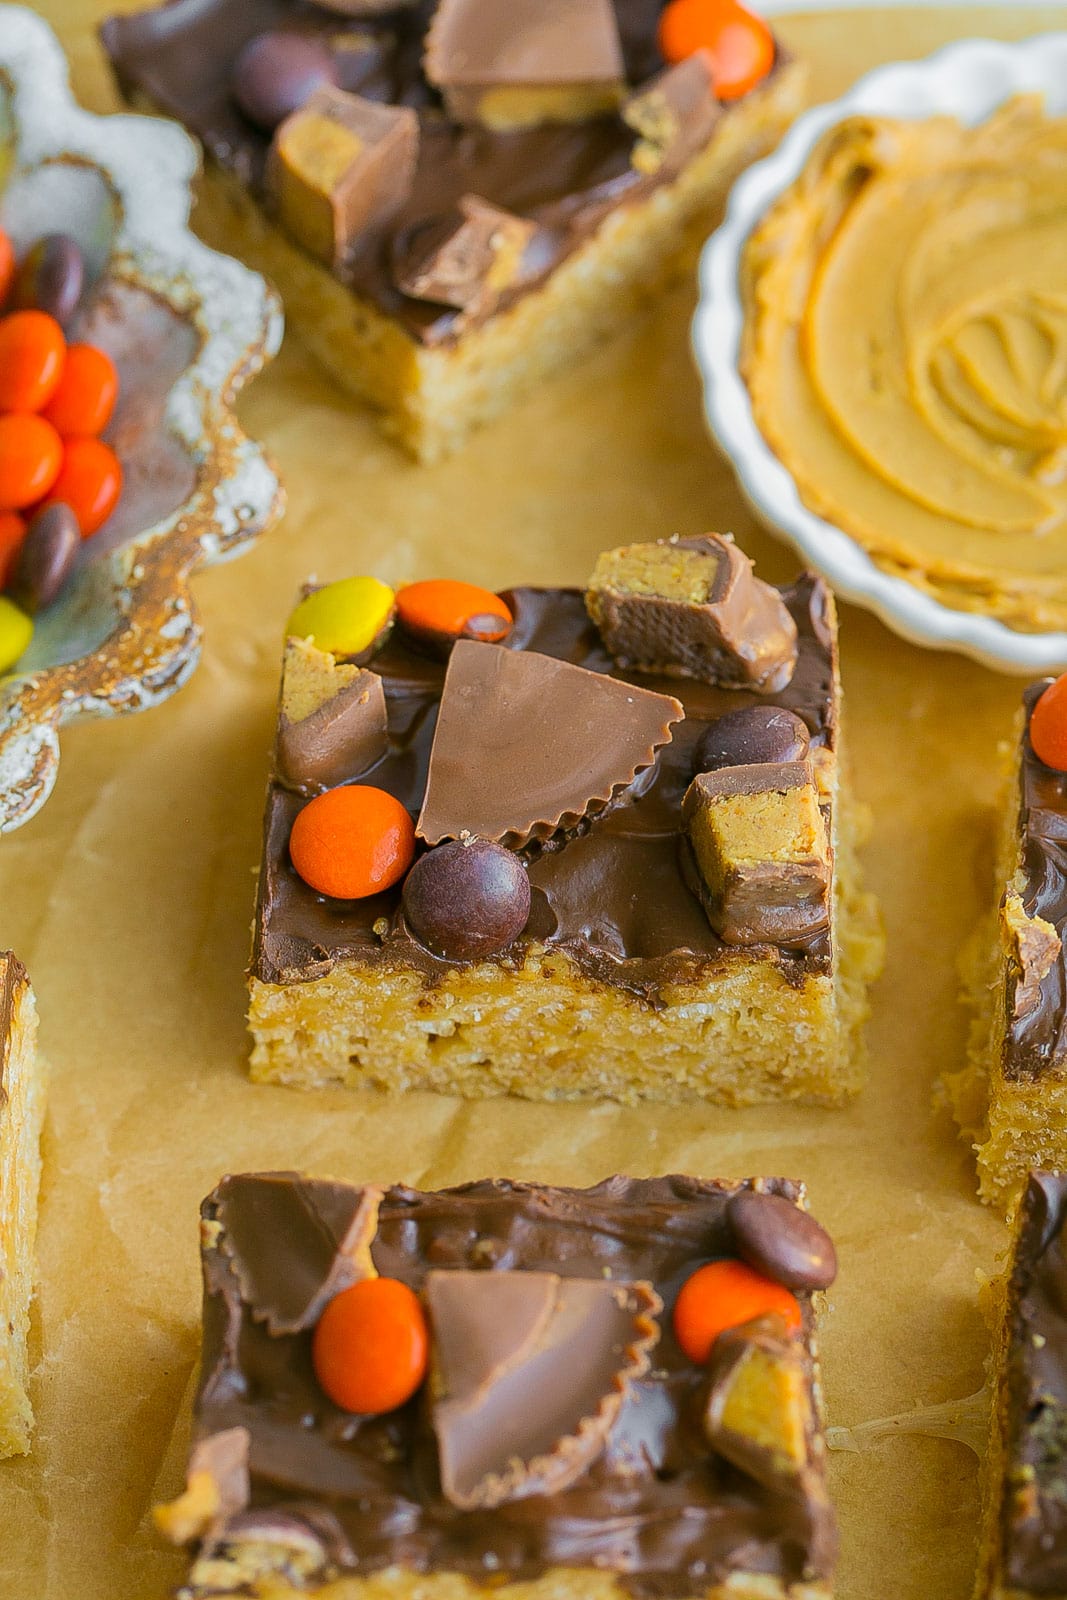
{"x":22,"y":1100}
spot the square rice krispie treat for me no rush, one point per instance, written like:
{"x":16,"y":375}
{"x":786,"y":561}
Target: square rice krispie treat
{"x":508,"y":1390}
{"x":1024,"y":1548}
{"x":1011,"y":1099}
{"x":22,"y":1098}
{"x":564,"y":845}
{"x":457,"y":197}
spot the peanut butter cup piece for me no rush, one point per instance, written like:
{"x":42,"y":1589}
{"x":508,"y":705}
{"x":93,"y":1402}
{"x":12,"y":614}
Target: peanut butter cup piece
{"x":758,"y":838}
{"x":339,"y":166}
{"x":758,"y":1412}
{"x":696,"y":608}
{"x":524,"y":62}
{"x":329,"y":1228}
{"x":333,"y":723}
{"x":526,"y":744}
{"x":673,"y":115}
{"x":465,"y":259}
{"x":529,"y":1373}
{"x":216,"y":1488}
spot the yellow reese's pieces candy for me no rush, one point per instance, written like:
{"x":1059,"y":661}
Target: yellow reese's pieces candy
{"x":344,"y":618}
{"x":16,"y":631}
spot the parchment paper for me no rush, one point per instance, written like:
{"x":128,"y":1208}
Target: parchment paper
{"x":130,"y":897}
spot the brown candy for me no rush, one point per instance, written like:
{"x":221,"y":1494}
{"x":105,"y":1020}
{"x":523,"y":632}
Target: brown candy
{"x":467,"y":899}
{"x":782,"y":1241}
{"x":753,"y":734}
{"x":527,"y":744}
{"x":465,"y":259}
{"x":51,"y":278}
{"x":524,"y":62}
{"x":693,"y":607}
{"x":46,"y":558}
{"x":276,"y":73}
{"x":338,"y":166}
{"x":531,"y":1371}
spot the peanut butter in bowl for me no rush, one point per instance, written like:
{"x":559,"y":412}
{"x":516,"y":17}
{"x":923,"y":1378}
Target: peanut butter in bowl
{"x":905,"y":350}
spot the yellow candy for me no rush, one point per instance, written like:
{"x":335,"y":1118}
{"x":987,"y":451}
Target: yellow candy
{"x":16,"y":631}
{"x":344,"y":618}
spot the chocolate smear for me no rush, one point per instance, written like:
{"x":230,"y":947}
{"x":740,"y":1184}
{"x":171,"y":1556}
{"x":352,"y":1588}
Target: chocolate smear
{"x":530,"y":1372}
{"x":527,"y":744}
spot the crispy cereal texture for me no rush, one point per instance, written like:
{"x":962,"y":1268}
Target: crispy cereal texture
{"x":21,"y":1115}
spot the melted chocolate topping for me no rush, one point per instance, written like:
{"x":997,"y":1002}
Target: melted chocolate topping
{"x":614,"y":897}
{"x":655,"y":1507}
{"x":1037,"y":1041}
{"x":1034,"y":1512}
{"x":566,"y":179}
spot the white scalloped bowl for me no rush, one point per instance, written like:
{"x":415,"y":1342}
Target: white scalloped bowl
{"x":188,"y":328}
{"x":969,"y":81}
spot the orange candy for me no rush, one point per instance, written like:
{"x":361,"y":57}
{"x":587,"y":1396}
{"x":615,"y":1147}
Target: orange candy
{"x":740,"y":44}
{"x":32,"y":353}
{"x":723,"y":1295}
{"x":1048,"y":726}
{"x":352,"y":842}
{"x":370,"y":1347}
{"x":443,"y":607}
{"x":12,"y":533}
{"x":31,"y":453}
{"x":88,"y":389}
{"x":7,"y":266}
{"x":89,"y":482}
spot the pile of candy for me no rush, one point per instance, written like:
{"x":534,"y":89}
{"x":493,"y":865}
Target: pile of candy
{"x":59,"y":482}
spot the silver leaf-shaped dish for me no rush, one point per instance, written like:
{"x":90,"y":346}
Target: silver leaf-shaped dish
{"x":187,"y":328}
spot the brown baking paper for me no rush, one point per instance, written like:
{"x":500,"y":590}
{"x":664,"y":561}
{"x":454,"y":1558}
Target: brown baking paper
{"x":130,"y":897}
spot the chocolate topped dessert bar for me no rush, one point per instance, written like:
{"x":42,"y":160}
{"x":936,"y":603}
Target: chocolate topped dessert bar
{"x":22,"y":1097}
{"x":564,"y":845}
{"x":456,"y":197}
{"x":603,"y":1392}
{"x":1011,"y":1099}
{"x":1025,"y":1545}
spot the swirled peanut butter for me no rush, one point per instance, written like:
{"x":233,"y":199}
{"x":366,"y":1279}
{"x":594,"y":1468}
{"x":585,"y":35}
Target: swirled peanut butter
{"x":906,"y":351}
